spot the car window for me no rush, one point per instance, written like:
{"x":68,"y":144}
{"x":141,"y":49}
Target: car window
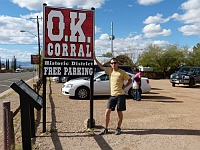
{"x":197,"y":70}
{"x":96,"y":74}
{"x":184,"y":69}
{"x":127,"y":69}
{"x":104,"y":77}
{"x":97,"y":69}
{"x":192,"y":69}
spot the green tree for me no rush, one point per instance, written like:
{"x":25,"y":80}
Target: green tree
{"x":108,"y":54}
{"x":193,"y":58}
{"x":125,"y":60}
{"x":151,"y":57}
{"x":163,"y":60}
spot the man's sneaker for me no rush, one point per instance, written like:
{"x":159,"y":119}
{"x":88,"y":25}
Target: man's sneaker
{"x":118,"y":131}
{"x":103,"y":131}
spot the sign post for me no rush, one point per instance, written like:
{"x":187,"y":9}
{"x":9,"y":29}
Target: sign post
{"x":68,"y":44}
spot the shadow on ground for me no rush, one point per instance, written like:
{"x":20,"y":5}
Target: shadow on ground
{"x":162,"y":131}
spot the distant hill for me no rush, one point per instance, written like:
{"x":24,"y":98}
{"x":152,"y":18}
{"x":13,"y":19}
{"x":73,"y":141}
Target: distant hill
{"x":24,"y":64}
{"x":20,"y":64}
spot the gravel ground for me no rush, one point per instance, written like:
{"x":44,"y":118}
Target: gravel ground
{"x":167,"y":118}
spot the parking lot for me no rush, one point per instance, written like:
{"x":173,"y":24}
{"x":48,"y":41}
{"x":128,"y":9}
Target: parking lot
{"x":166,"y":118}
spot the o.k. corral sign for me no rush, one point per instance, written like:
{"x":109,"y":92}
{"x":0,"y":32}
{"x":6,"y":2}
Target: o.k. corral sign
{"x":68,"y":42}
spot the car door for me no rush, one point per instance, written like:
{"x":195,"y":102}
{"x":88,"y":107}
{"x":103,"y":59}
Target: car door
{"x":102,"y":85}
{"x":197,"y":75}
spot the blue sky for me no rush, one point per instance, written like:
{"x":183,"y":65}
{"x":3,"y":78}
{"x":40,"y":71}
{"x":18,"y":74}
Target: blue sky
{"x":136,"y":24}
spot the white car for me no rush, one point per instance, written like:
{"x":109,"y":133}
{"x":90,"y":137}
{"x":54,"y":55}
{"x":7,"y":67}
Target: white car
{"x":59,"y":79}
{"x":80,"y":87}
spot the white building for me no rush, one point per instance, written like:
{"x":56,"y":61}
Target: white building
{"x":141,"y":68}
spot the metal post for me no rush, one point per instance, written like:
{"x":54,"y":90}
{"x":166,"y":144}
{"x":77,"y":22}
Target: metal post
{"x":25,"y":124}
{"x":44,"y":103}
{"x":91,"y":120}
{"x":112,"y":37}
{"x":32,"y":121}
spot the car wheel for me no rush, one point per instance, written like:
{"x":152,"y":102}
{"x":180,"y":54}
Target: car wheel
{"x":191,"y":83}
{"x":82,"y":93}
{"x":173,"y":84}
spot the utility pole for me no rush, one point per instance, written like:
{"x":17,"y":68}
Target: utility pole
{"x":38,"y":36}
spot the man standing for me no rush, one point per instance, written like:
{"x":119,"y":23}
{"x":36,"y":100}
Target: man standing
{"x":117,"y":98}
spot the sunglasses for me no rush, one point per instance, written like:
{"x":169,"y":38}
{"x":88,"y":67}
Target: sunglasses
{"x":113,"y":63}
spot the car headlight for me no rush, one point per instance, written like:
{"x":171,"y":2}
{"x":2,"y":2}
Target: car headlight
{"x":68,"y":86}
{"x":186,"y":77}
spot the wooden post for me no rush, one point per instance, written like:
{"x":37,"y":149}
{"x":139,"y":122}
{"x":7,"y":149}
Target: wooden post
{"x":6,"y":130}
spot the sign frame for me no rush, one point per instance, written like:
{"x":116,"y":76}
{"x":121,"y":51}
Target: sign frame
{"x":35,"y":59}
{"x":68,"y":37}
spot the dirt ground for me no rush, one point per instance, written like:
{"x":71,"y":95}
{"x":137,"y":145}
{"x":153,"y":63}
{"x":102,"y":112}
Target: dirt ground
{"x":167,"y":118}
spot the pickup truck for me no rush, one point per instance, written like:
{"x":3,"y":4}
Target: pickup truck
{"x":187,"y":75}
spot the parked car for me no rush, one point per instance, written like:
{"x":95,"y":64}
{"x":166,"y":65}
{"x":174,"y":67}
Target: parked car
{"x":80,"y":87}
{"x":62,"y":79}
{"x":187,"y":75}
{"x":19,"y":70}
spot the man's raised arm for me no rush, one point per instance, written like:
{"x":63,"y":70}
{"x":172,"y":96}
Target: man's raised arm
{"x":98,"y":63}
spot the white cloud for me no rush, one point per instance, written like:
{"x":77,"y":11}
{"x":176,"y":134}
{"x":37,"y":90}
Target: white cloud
{"x":138,"y":37}
{"x":97,"y":29}
{"x":104,"y":37}
{"x":148,"y":2}
{"x":153,"y":30}
{"x":161,"y":43}
{"x":190,"y":29}
{"x":190,"y":17}
{"x":132,"y":45}
{"x":19,"y":55}
{"x":175,"y":15}
{"x":192,"y":11}
{"x":38,"y":4}
{"x":156,"y":19}
{"x":10,"y":30}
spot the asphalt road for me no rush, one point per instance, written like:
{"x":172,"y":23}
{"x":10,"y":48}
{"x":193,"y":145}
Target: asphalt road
{"x":6,"y":79}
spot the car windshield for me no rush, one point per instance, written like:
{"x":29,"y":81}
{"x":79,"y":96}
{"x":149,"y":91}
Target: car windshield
{"x":184,"y":69}
{"x":97,"y":74}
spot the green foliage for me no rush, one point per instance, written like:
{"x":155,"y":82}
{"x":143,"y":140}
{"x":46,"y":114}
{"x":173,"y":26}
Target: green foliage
{"x":125,"y":60}
{"x":108,"y":54}
{"x":194,"y":56}
{"x":169,"y":59}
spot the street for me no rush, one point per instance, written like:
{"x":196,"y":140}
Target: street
{"x":6,"y":79}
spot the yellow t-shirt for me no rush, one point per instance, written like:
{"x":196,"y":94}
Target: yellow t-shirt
{"x":117,"y":79}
